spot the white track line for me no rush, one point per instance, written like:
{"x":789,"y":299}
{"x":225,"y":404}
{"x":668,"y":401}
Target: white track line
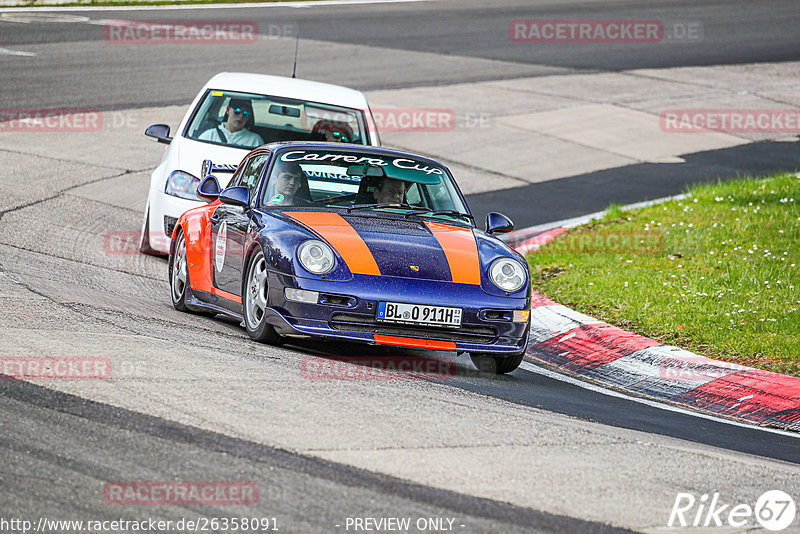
{"x":7,"y":52}
{"x":145,"y":7}
{"x":528,"y":366}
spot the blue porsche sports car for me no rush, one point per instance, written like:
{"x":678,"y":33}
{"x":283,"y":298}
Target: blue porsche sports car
{"x":356,"y":243}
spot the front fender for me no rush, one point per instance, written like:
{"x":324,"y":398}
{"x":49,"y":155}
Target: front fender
{"x":194,"y":224}
{"x":279,"y":236}
{"x":490,"y":248}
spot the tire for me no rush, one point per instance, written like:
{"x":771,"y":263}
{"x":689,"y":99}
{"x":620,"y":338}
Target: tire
{"x":499,"y":365}
{"x":179,"y":274}
{"x":255,"y":302}
{"x":144,"y":243}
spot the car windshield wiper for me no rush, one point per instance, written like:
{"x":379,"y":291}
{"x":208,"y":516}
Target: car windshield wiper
{"x":358,"y":207}
{"x":431,"y":211}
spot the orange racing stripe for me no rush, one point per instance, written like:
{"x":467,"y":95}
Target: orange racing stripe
{"x":342,"y":237}
{"x":226,"y":295}
{"x":414,"y":342}
{"x":461,"y":250}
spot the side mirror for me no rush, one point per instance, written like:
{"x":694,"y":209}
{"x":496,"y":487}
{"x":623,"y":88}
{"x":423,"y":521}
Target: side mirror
{"x":237,"y":195}
{"x":497,"y":223}
{"x":159,"y":132}
{"x":208,"y":189}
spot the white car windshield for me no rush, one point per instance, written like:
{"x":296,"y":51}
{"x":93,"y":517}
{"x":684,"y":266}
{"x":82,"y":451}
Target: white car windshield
{"x":246,"y":120}
{"x":363,"y":181}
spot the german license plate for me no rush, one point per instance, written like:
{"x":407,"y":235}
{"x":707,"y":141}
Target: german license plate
{"x":399,"y":312}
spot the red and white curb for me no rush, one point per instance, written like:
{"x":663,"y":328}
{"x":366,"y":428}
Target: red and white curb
{"x":580,"y":345}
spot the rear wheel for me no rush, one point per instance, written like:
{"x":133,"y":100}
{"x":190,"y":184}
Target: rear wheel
{"x":255,"y":302}
{"x":488,"y":363}
{"x":179,"y":274}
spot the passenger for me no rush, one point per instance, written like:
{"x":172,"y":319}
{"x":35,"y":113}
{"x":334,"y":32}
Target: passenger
{"x":234,"y":127}
{"x":334,"y":131}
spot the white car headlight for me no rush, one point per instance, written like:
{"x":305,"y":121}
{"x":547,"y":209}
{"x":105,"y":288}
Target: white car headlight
{"x":316,"y":257}
{"x":507,"y":274}
{"x":182,"y":184}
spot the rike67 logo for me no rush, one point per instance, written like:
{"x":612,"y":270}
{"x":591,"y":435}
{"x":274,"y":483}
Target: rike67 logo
{"x":774,"y":510}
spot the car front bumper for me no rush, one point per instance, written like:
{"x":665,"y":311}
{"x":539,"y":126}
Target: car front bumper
{"x":348,"y":310}
{"x":165,"y":209}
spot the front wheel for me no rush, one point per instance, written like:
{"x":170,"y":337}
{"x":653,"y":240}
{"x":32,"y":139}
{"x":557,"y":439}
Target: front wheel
{"x":500,"y":365}
{"x":255,"y":302}
{"x":179,"y":274}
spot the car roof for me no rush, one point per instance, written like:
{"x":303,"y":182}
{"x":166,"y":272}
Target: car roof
{"x":324,"y":93}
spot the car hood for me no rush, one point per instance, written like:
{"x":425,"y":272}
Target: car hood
{"x":408,"y":248}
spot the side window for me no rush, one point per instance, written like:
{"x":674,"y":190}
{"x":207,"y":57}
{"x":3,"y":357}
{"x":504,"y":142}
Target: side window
{"x":207,"y":115}
{"x":235,"y":179}
{"x":412,"y":195}
{"x":251,"y":172}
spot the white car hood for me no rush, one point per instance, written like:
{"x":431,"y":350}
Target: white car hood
{"x":191,"y":154}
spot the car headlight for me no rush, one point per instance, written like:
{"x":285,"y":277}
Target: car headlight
{"x":182,"y":184}
{"x":316,"y":257}
{"x":507,"y":274}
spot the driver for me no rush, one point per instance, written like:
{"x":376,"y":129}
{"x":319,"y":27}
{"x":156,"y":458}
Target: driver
{"x":234,"y":127}
{"x":283,"y":187}
{"x":389,"y":191}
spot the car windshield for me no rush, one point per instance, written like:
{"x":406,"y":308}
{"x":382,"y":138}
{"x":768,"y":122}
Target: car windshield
{"x":364,"y":182}
{"x":246,"y":120}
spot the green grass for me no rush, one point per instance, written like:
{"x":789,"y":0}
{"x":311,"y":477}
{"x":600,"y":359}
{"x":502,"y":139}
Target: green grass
{"x":716,"y":273}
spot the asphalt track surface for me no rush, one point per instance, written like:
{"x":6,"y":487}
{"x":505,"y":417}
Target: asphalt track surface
{"x":593,"y":192}
{"x":85,"y":440}
{"x":80,"y":439}
{"x":734,"y":32}
{"x":90,"y":72}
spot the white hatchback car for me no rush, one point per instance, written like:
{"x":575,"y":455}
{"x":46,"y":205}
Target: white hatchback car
{"x":231,"y":115}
